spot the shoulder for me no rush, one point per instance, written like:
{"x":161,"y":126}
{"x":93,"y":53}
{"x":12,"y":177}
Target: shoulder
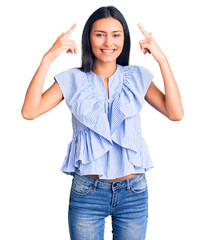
{"x":138,"y":73}
{"x":135,"y":69}
{"x":71,"y":81}
{"x":71,"y":72}
{"x":137,"y":78}
{"x":71,"y":77}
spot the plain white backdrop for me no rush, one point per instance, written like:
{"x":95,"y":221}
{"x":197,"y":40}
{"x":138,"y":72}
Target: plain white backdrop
{"x":34,"y":193}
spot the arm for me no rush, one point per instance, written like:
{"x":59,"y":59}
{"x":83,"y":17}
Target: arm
{"x":169,"y":103}
{"x":172,"y":99}
{"x":36,"y":103}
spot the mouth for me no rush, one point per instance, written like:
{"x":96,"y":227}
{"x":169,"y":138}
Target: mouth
{"x":108,"y":51}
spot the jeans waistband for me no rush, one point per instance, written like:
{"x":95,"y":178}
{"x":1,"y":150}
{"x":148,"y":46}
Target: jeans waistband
{"x":109,"y":184}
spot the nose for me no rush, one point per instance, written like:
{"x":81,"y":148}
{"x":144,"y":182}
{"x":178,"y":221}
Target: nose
{"x":108,"y":41}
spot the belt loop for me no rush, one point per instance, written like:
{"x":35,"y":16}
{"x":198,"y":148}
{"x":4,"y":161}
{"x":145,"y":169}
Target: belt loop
{"x":128,"y":184}
{"x":95,"y":184}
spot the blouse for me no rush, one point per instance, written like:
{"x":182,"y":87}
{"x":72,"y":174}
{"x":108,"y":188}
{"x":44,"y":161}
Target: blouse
{"x":107,"y":136}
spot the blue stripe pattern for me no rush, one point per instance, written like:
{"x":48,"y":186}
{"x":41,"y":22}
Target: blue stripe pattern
{"x":107,"y":136}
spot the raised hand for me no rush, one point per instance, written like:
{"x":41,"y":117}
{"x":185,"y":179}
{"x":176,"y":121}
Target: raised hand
{"x":62,"y":43}
{"x":149,"y":45}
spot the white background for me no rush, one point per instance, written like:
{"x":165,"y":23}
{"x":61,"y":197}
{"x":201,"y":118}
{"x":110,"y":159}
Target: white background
{"x":34,"y":193}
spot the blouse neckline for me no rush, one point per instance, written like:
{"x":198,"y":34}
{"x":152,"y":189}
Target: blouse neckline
{"x":98,"y":84}
{"x":111,"y":77}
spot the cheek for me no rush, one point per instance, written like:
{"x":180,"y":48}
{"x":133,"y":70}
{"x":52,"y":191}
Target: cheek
{"x":95,"y":44}
{"x":120,"y":43}
{"x":93,"y":47}
{"x":120,"y":47}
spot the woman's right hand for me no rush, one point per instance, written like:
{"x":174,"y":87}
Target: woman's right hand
{"x":62,"y":43}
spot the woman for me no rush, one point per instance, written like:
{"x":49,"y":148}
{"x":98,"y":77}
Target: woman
{"x":108,"y":156}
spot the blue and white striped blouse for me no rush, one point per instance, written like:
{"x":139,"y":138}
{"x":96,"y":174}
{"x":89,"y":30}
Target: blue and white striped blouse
{"x":107,"y":137}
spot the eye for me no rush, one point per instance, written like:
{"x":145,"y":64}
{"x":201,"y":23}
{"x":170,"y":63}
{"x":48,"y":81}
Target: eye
{"x":99,"y":35}
{"x":116,"y":35}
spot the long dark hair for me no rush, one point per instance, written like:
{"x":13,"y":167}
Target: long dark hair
{"x":88,"y":57}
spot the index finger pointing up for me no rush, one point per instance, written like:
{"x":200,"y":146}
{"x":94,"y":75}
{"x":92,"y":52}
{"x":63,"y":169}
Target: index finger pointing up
{"x":70,"y":30}
{"x":144,"y":32}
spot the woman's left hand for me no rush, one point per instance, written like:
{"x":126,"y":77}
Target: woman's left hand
{"x":149,"y":45}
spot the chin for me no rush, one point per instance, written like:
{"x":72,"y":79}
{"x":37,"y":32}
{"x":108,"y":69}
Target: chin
{"x":107,"y":59}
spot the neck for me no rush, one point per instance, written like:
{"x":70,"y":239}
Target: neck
{"x":104,"y":70}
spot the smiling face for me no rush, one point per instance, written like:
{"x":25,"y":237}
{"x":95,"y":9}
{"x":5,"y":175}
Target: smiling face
{"x":107,"y":39}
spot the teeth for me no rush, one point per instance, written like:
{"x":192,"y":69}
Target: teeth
{"x":108,"y":51}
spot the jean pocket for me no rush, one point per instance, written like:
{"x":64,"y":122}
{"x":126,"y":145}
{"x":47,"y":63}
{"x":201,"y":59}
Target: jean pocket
{"x":80,"y":188}
{"x":139,"y":185}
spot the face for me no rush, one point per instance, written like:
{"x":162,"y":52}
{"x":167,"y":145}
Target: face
{"x":107,"y":39}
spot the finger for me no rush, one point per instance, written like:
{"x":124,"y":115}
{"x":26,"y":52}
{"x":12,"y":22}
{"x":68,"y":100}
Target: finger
{"x":70,"y":30}
{"x":152,"y":36}
{"x":144,"y":32}
{"x":76,"y":49}
{"x":145,"y":48}
{"x":59,"y":37}
{"x":72,"y":44}
{"x":147,"y":40}
{"x":144,"y":41}
{"x":71,"y":50}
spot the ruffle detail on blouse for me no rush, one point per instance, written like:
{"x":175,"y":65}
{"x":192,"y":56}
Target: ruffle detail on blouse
{"x":80,"y":152}
{"x":85,"y":147}
{"x":140,"y":158}
{"x":90,"y":146}
{"x":124,"y":116}
{"x":96,"y":139}
{"x":126,"y":105}
{"x":82,"y":101}
{"x":90,"y":112}
{"x":129,"y":101}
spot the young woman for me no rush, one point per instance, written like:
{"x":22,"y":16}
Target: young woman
{"x":108,"y":156}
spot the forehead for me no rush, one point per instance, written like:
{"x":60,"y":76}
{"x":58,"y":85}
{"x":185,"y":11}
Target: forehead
{"x":107,"y":24}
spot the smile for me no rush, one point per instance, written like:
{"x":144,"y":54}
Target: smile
{"x":108,"y":51}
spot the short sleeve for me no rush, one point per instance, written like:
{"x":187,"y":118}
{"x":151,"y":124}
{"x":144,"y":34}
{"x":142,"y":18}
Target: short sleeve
{"x":72,"y":83}
{"x":65,"y":81}
{"x":146,"y":78}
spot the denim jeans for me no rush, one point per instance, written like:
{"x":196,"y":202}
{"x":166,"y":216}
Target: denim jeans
{"x":92,"y":200}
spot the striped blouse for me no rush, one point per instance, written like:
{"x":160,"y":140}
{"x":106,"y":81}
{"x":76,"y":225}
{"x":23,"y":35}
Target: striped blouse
{"x":107,"y":136}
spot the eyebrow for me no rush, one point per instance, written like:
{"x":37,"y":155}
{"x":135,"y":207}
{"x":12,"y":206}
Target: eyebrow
{"x":104,"y":31}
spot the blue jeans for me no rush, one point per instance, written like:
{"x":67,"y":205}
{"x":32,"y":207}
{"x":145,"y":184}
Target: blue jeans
{"x":92,"y":200}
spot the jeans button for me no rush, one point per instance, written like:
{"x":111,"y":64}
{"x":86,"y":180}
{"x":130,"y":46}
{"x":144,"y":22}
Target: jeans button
{"x":115,"y":184}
